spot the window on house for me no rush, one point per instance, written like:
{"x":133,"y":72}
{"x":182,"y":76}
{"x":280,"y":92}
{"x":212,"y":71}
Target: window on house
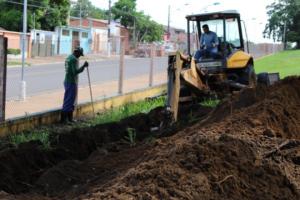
{"x":65,"y":32}
{"x":84,"y":35}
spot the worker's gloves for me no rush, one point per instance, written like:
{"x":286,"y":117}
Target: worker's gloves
{"x":86,"y":64}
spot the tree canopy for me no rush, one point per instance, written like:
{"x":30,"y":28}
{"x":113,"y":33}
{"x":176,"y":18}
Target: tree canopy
{"x":284,"y":14}
{"x":42,"y":14}
{"x":145,"y":29}
{"x":88,"y":10}
{"x":47,"y":14}
{"x":125,"y":11}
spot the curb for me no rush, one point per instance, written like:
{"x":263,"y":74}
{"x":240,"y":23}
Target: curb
{"x":19,"y":124}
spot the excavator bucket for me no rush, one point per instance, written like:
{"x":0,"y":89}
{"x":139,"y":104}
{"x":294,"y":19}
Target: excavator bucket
{"x":174,"y":69}
{"x":179,"y":75}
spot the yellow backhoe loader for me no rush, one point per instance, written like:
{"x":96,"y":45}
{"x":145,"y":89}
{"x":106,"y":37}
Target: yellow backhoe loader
{"x":231,"y":69}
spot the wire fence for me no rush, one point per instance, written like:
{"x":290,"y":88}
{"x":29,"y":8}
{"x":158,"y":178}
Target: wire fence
{"x":263,"y":49}
{"x":126,"y":68}
{"x":110,"y":76}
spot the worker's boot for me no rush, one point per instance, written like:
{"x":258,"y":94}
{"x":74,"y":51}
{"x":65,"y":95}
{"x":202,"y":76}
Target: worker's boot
{"x":63,"y":117}
{"x":70,"y":117}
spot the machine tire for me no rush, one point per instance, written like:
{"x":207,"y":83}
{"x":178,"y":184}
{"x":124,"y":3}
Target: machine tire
{"x":249,"y":77}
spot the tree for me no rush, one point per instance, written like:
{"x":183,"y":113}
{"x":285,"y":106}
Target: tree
{"x":284,"y":14}
{"x":125,"y":10}
{"x":87,"y":10}
{"x":45,"y":14}
{"x":11,"y":19}
{"x":145,"y":29}
{"x":56,"y":15}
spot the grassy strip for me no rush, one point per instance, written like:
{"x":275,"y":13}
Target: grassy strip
{"x":42,"y":135}
{"x":116,"y":114}
{"x":212,"y":103}
{"x":12,"y":63}
{"x":113,"y":115}
{"x":287,"y":63}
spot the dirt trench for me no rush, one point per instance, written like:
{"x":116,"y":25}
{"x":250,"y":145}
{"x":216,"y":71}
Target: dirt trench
{"x":29,"y":168}
{"x":246,"y":148}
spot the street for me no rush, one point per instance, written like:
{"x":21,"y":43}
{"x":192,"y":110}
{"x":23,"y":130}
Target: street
{"x":46,"y":78}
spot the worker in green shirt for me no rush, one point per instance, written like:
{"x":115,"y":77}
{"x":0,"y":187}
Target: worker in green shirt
{"x":71,"y":84}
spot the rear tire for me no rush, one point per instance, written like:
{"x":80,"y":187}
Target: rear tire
{"x":263,"y":79}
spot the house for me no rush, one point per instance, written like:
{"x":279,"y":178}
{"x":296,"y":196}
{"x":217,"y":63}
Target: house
{"x":99,"y":34}
{"x":175,"y":37}
{"x":98,"y":30}
{"x":44,"y":43}
{"x":14,"y":41}
{"x":68,"y":38}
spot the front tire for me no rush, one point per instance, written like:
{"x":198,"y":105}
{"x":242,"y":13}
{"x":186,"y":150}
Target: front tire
{"x":249,"y":76}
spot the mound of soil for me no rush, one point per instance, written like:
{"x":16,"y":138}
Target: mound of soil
{"x":250,"y":152}
{"x":247,"y":148}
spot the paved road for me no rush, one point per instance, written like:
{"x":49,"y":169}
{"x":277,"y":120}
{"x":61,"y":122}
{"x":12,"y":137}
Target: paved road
{"x":45,"y":78}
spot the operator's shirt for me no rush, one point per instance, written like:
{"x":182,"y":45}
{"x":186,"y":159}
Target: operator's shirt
{"x":208,"y":39}
{"x":72,"y":69}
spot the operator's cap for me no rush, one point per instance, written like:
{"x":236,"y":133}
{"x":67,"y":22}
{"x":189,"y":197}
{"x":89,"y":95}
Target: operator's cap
{"x":80,"y":50}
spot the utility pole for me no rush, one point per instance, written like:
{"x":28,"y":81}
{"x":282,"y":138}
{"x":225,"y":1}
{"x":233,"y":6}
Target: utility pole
{"x":134,"y":32}
{"x":169,"y":14}
{"x":80,"y":13}
{"x":34,"y":20}
{"x":108,"y":31}
{"x":23,"y":83}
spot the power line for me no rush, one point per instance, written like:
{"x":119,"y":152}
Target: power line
{"x":34,"y":5}
{"x":30,"y":5}
{"x":36,"y":1}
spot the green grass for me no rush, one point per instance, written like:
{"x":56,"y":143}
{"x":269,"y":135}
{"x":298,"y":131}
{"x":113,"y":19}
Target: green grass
{"x":12,"y":63}
{"x":287,"y":63}
{"x":212,"y":103}
{"x":131,"y":137}
{"x":113,"y":115}
{"x":116,"y":114}
{"x":41,"y":135}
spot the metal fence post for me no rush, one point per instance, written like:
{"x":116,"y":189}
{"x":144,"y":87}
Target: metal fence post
{"x":121,"y":67}
{"x":3,"y":68}
{"x":24,"y":39}
{"x":152,"y":51}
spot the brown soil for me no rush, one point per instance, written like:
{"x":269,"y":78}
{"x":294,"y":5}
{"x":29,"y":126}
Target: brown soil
{"x":247,"y":148}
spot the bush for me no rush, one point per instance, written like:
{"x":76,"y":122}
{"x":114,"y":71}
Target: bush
{"x":13,"y":51}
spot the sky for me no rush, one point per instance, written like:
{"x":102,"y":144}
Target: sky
{"x":253,"y":12}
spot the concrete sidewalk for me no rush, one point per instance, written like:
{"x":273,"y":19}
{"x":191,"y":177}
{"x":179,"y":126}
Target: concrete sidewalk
{"x":53,"y":100}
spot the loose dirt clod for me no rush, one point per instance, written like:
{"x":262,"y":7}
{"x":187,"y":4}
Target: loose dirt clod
{"x":247,"y":148}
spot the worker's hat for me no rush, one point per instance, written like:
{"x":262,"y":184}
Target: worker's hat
{"x":79,"y":50}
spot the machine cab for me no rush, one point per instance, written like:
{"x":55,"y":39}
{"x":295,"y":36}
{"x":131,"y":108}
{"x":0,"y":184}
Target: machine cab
{"x":227,"y":27}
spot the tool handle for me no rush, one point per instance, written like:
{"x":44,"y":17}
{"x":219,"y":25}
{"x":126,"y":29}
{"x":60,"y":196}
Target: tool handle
{"x":91,"y":94}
